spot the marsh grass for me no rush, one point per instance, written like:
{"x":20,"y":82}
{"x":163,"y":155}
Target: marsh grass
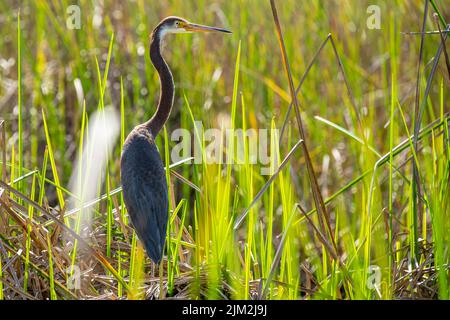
{"x":369,"y":193}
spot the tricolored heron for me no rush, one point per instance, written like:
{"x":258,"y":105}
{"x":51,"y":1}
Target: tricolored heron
{"x":142,"y":171}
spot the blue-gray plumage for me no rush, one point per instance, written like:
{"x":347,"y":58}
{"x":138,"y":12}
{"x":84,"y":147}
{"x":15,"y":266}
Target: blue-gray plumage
{"x":142,"y":171}
{"x":145,"y":190}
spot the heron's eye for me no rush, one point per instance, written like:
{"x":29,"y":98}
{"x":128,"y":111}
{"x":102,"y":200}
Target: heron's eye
{"x":176,"y":24}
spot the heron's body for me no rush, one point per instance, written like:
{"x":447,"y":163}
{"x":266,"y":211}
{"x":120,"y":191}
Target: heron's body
{"x":145,"y":190}
{"x":142,"y":171}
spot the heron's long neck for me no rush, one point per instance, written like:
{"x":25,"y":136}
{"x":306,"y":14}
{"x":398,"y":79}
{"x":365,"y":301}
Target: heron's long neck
{"x":166,"y":97}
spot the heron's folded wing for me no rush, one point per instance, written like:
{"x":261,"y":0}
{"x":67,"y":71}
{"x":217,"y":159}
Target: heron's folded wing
{"x":145,"y":195}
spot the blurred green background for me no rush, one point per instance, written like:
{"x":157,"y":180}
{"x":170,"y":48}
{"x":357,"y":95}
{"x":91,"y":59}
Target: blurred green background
{"x":59,"y":73}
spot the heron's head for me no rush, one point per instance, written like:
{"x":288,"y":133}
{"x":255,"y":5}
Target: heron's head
{"x":180,"y":25}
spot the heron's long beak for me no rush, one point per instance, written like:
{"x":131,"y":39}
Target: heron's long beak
{"x":192,"y":27}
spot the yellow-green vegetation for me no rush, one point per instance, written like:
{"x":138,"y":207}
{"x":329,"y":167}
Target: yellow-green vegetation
{"x":375,"y":117}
